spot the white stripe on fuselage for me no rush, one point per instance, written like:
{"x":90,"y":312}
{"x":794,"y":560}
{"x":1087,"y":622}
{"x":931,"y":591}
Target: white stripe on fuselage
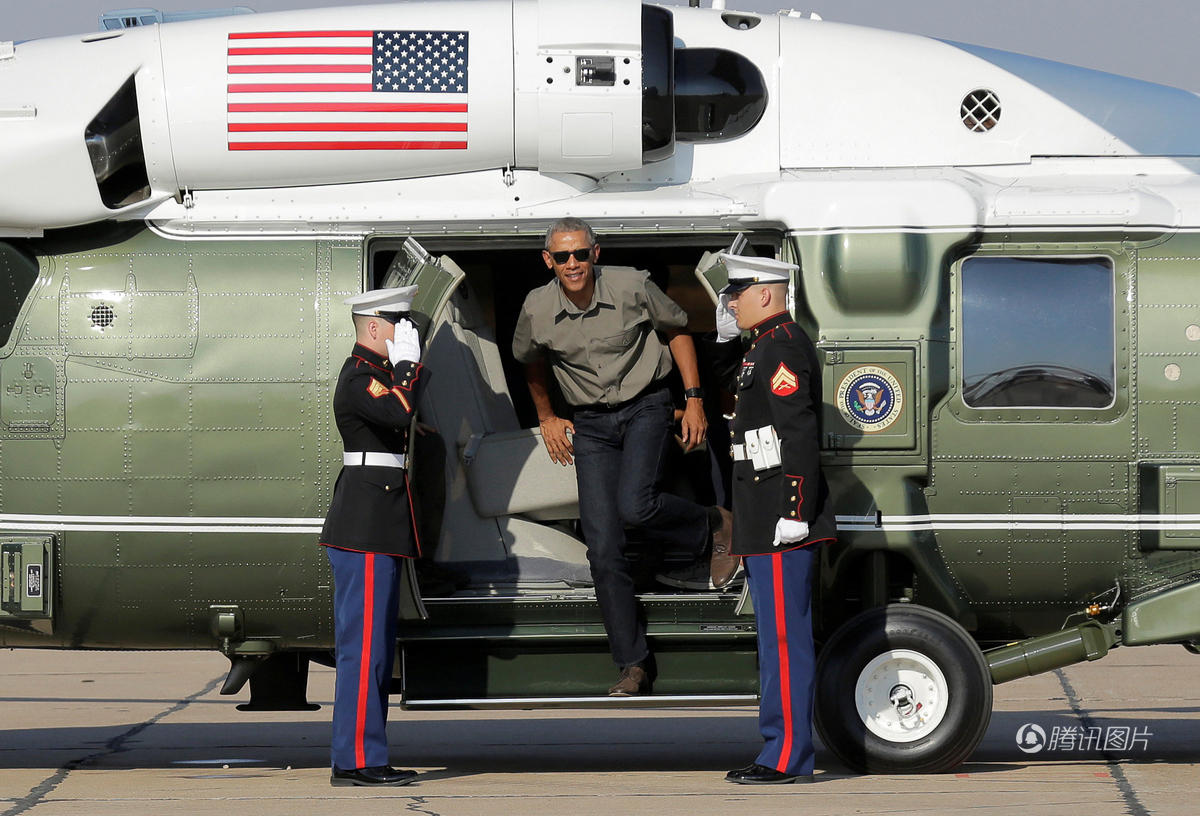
{"x":19,"y":522}
{"x":1020,"y":521}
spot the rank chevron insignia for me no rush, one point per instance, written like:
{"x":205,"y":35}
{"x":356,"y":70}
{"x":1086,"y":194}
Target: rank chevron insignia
{"x":783,"y":381}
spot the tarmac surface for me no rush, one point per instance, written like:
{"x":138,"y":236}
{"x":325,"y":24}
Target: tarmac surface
{"x":131,"y":733}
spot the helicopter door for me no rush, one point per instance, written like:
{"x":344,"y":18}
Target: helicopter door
{"x":711,"y":271}
{"x":436,"y":279}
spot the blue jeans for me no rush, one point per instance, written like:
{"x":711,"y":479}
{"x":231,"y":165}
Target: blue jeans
{"x":619,"y":458}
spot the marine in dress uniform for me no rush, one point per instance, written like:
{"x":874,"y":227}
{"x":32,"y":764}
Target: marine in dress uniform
{"x":369,"y":528}
{"x":780,"y":506}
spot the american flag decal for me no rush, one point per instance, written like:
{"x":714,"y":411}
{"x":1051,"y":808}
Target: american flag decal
{"x":347,"y":90}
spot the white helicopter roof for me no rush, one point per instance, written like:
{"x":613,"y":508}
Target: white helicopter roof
{"x":857,"y":128}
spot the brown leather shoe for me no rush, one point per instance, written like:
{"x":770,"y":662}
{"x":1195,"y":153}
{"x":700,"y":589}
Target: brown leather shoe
{"x":698,"y":576}
{"x":633,"y":682}
{"x":723,"y":565}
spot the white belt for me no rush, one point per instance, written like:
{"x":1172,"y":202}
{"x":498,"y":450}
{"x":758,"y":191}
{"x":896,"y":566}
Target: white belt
{"x":761,"y":447}
{"x":373,"y":459}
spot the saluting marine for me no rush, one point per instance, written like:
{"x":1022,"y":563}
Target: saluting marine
{"x":370,"y":527}
{"x":780,"y":505}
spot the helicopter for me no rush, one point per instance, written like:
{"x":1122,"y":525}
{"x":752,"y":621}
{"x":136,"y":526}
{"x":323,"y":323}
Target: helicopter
{"x":997,"y":263}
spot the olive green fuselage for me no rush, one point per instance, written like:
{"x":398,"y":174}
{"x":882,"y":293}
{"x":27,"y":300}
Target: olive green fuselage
{"x":166,"y":435}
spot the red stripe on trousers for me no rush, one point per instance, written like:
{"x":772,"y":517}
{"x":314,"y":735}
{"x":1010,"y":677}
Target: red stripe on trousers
{"x":364,"y":669}
{"x":784,"y":678}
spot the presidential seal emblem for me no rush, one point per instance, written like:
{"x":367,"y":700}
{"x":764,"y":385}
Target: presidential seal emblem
{"x":870,"y":398}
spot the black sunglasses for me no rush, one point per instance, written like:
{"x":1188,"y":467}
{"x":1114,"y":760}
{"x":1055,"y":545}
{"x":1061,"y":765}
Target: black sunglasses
{"x":561,"y":257}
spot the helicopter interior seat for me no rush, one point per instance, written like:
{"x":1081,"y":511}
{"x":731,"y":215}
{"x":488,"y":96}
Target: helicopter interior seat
{"x":500,"y":486}
{"x":507,"y":469}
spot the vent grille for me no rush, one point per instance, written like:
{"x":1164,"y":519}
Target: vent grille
{"x":980,"y":110}
{"x":102,"y":316}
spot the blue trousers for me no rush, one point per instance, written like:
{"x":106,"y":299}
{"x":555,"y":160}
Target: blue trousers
{"x":781,"y":587}
{"x":365,"y":597}
{"x":619,"y":459}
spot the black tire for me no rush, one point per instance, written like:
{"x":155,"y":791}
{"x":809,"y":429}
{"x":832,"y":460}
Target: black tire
{"x":924,"y":635}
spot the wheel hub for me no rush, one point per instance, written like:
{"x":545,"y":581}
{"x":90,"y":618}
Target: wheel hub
{"x":902,"y":700}
{"x":901,"y":695}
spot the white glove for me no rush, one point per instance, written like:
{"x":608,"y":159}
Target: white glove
{"x":406,"y":347}
{"x":727,"y":327}
{"x":789,"y":532}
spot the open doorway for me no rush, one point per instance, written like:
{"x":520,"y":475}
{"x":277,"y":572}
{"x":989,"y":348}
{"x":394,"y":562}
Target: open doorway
{"x":496,"y":514}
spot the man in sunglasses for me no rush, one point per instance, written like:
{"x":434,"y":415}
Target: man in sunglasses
{"x":369,"y":529}
{"x":610,"y":335}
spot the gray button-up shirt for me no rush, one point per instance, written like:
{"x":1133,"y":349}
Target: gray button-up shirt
{"x":609,"y":351}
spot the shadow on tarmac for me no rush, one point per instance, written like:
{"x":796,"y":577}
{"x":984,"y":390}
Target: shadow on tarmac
{"x":512,"y":743}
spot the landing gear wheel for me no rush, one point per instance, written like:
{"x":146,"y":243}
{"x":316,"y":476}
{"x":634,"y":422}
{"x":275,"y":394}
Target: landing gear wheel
{"x":902,"y":689}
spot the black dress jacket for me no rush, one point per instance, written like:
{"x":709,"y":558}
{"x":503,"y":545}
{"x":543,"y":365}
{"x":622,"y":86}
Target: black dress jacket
{"x":373,"y":404}
{"x":778,"y":385}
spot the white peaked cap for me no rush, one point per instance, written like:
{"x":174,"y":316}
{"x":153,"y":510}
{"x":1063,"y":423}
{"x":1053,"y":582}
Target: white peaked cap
{"x":382,"y":301}
{"x":742,"y":269}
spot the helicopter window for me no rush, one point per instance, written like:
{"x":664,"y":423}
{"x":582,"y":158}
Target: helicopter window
{"x":719,"y":95}
{"x":1038,"y":332}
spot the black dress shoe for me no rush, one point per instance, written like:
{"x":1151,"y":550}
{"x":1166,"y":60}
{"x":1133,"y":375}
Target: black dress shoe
{"x":755,"y":774}
{"x":380,"y":775}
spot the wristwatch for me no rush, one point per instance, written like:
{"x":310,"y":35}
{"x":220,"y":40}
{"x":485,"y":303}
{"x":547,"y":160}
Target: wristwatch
{"x":693,"y":393}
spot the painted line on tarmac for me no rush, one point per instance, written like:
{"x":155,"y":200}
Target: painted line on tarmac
{"x":114,"y":746}
{"x":1133,"y":805}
